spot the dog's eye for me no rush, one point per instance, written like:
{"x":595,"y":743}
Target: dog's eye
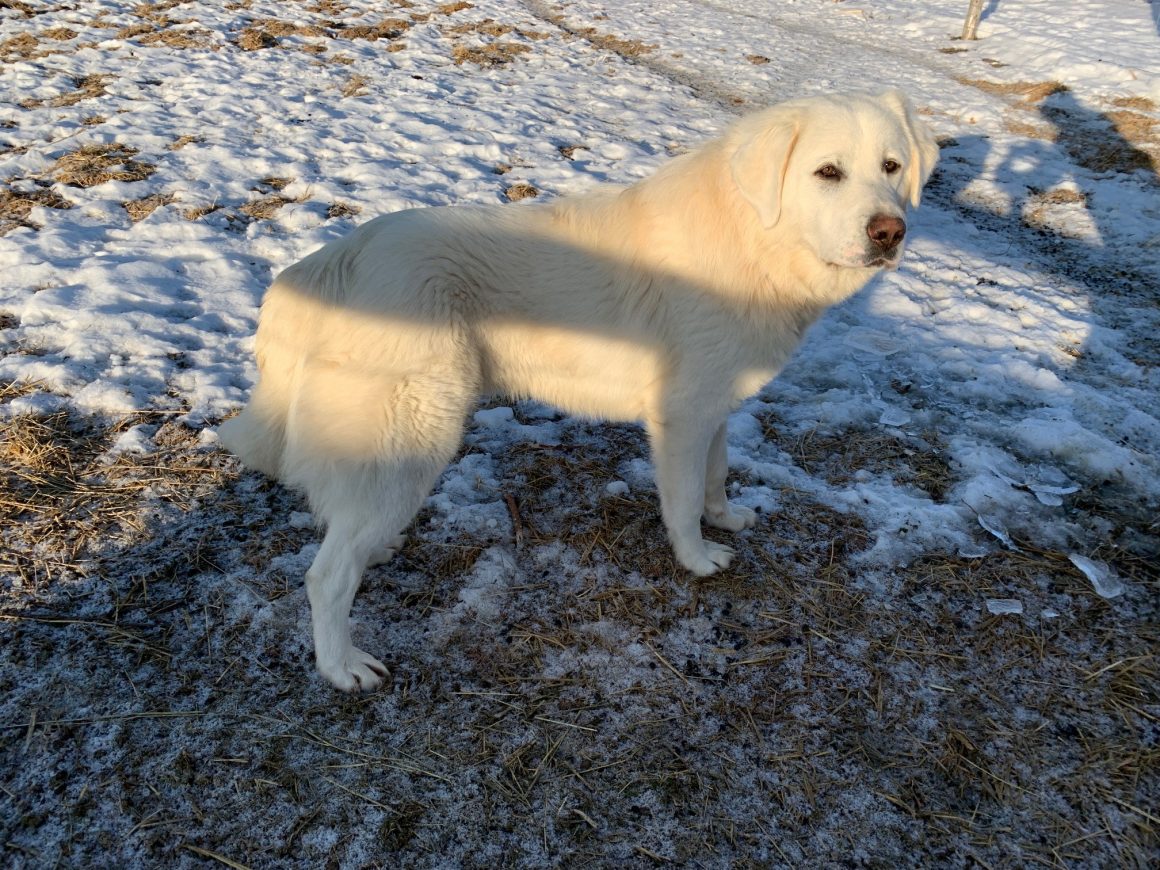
{"x":890,"y":166}
{"x":830,"y":172}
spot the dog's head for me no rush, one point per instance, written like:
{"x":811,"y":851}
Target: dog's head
{"x":836,"y":172}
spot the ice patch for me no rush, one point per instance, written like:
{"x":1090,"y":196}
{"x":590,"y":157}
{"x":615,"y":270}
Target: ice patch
{"x":1106,"y":581}
{"x":1004,"y":605}
{"x":872,"y":341}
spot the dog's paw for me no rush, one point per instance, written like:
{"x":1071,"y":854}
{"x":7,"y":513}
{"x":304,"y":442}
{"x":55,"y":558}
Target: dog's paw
{"x":710,"y":559}
{"x":357,"y":671}
{"x":382,"y":555}
{"x":733,"y":518}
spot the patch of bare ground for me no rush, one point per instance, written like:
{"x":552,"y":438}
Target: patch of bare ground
{"x":1043,"y":208}
{"x":91,"y":165}
{"x":1121,"y":141}
{"x":17,"y":205}
{"x":64,"y":498}
{"x":917,"y":461}
{"x":139,"y":209}
{"x":621,"y":710}
{"x":1028,"y":92}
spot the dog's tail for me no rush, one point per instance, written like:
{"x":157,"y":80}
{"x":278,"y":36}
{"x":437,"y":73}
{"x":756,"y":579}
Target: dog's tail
{"x":293,"y":311}
{"x":257,"y":435}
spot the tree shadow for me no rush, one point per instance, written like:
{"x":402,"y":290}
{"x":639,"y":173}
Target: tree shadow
{"x":1038,"y":192}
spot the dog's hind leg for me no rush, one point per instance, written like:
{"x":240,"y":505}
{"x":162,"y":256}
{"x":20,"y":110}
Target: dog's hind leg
{"x":365,"y":530}
{"x":367,"y":448}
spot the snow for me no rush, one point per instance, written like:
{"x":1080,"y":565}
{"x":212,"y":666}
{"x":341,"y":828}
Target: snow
{"x":1030,"y":368}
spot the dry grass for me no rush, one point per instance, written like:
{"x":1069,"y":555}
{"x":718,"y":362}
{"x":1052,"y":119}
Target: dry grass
{"x":1028,"y":92}
{"x":21,"y":47}
{"x":490,"y":55}
{"x":91,"y":165}
{"x":273,"y":182}
{"x":1141,"y":104}
{"x":342,"y":210}
{"x":613,"y":697}
{"x":60,"y":34}
{"x":16,"y":206}
{"x":331,"y":7}
{"x":198,"y":212}
{"x":355,"y":86}
{"x":522,"y":190}
{"x":132,"y":31}
{"x":183,"y":38}
{"x":25,"y":9}
{"x":62,"y":501}
{"x":277,"y":27}
{"x":486,"y":27}
{"x":254,"y":39}
{"x":390,"y":28}
{"x":188,"y":139}
{"x":838,"y":456}
{"x":265,"y":207}
{"x":85,"y":88}
{"x":139,"y":209}
{"x":627,"y":48}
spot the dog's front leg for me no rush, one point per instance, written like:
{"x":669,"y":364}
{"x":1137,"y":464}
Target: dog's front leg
{"x":680,"y":453}
{"x":719,"y":512}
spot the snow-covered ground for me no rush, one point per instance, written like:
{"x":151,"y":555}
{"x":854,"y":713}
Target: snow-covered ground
{"x":939,"y":647}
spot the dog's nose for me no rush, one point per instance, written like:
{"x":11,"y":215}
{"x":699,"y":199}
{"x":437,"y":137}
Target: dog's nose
{"x":885,"y":231}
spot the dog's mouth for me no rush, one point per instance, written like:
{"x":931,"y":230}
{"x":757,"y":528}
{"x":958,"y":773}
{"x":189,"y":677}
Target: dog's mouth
{"x":889,"y":261}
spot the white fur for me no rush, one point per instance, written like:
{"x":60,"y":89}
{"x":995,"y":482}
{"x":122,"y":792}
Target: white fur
{"x":666,"y":302}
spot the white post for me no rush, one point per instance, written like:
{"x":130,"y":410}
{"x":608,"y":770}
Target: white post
{"x":974,"y":11}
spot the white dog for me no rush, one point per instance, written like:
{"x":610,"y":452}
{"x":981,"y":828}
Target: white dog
{"x":666,"y":302}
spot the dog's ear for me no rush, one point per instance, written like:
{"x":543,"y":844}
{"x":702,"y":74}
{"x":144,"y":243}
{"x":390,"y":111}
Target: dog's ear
{"x":923,"y":147}
{"x":760,"y":159}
